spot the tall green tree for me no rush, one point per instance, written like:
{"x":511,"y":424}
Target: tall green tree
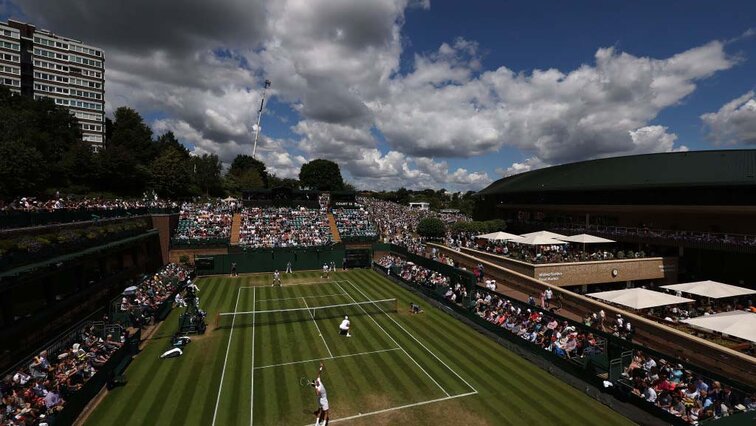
{"x":431,"y":227}
{"x":79,"y":167}
{"x":41,"y":128}
{"x":249,"y":179}
{"x":168,"y":140}
{"x":20,"y":172}
{"x":207,"y":174}
{"x":119,"y":171}
{"x":170,"y":174}
{"x":130,"y":131}
{"x":244,"y":163}
{"x":320,"y":174}
{"x":276,"y":182}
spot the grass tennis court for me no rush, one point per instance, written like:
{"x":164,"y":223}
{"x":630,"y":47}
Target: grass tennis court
{"x":396,"y":368}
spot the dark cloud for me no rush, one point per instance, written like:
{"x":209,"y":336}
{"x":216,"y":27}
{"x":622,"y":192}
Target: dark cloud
{"x":144,"y":25}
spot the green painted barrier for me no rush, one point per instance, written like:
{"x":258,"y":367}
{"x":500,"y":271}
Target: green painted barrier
{"x":268,"y":260}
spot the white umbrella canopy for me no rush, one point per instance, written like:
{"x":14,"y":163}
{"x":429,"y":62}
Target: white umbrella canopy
{"x":498,"y":236}
{"x":547,"y":234}
{"x":537,"y":240}
{"x":740,"y":324}
{"x":229,"y":199}
{"x":586,"y":239}
{"x":639,"y":298}
{"x":712,"y":289}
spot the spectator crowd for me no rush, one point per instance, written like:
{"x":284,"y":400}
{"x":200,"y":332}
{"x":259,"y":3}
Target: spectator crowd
{"x":414,"y":274}
{"x":354,"y":223}
{"x":33,"y":204}
{"x":284,"y":227}
{"x":143,"y":302}
{"x":40,"y":388}
{"x":204,"y":221}
{"x":558,"y":253}
{"x":533,"y":325}
{"x":679,"y":391}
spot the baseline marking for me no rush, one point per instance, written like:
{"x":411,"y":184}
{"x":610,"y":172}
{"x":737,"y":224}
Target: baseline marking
{"x":228,"y":346}
{"x":419,"y":342}
{"x":318,"y":327}
{"x":325,"y":359}
{"x":295,"y":284}
{"x":252,"y":386}
{"x":401,"y":407}
{"x":395,"y":342}
{"x":304,"y":297}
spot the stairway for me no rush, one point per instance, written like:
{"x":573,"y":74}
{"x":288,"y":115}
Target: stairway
{"x":334,"y":228}
{"x":235,"y":229}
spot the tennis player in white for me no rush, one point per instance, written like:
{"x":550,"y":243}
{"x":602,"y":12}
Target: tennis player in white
{"x":325,"y":271}
{"x":322,"y":395}
{"x":345,"y":326}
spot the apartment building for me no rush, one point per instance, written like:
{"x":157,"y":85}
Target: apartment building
{"x":68,"y":71}
{"x":10,"y":58}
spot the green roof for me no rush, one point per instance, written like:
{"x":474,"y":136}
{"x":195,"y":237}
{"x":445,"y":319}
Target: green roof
{"x":676,"y":169}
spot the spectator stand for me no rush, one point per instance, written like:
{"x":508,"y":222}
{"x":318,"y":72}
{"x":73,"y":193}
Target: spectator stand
{"x":608,"y":365}
{"x":97,"y":347}
{"x":354,"y":223}
{"x":157,"y":293}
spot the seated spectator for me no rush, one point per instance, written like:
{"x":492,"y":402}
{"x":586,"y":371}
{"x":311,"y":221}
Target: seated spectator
{"x":284,"y":227}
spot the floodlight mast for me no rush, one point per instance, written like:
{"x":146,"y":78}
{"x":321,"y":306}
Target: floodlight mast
{"x":259,"y":117}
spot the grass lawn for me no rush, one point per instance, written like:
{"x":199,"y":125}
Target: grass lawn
{"x":397,"y":368}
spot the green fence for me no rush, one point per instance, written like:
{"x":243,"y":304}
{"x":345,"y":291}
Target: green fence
{"x":193,"y":243}
{"x":267,"y":260}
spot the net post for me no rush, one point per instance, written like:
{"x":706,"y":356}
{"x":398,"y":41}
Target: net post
{"x":217,"y":320}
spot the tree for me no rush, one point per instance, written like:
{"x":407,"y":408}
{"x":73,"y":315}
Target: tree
{"x":431,"y":227}
{"x":169,"y":173}
{"x":79,"y":168}
{"x":277,"y":182}
{"x":19,"y":169}
{"x":168,"y":140}
{"x":45,"y":132}
{"x":243,"y":163}
{"x":130,"y":132}
{"x":402,"y":196}
{"x":207,"y":174}
{"x":249,"y":179}
{"x":119,"y":171}
{"x":320,"y":174}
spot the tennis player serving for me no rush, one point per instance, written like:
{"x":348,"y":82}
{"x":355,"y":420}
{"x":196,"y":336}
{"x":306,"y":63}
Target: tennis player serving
{"x":321,"y":415}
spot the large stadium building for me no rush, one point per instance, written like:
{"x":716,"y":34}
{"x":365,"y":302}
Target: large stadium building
{"x":696,"y":205}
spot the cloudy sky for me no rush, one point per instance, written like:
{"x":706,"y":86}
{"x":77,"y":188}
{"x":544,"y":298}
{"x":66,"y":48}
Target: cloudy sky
{"x":419,"y":93}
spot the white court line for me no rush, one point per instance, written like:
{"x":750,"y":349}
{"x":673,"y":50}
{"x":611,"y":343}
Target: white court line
{"x":395,"y":342}
{"x":401,"y":407}
{"x":304,"y":297}
{"x":325,"y":359}
{"x":415,"y":339}
{"x":228,"y":346}
{"x":252,"y":386}
{"x":318,"y":327}
{"x":296,"y":284}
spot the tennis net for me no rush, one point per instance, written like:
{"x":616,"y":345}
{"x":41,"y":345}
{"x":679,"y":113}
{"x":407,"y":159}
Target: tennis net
{"x":282,"y":316}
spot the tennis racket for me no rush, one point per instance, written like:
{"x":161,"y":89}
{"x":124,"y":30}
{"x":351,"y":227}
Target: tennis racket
{"x":304,"y":381}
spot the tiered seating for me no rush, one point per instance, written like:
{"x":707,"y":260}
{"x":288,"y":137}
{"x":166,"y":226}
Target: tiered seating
{"x":202,"y":222}
{"x":284,"y":227}
{"x":354,"y":224}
